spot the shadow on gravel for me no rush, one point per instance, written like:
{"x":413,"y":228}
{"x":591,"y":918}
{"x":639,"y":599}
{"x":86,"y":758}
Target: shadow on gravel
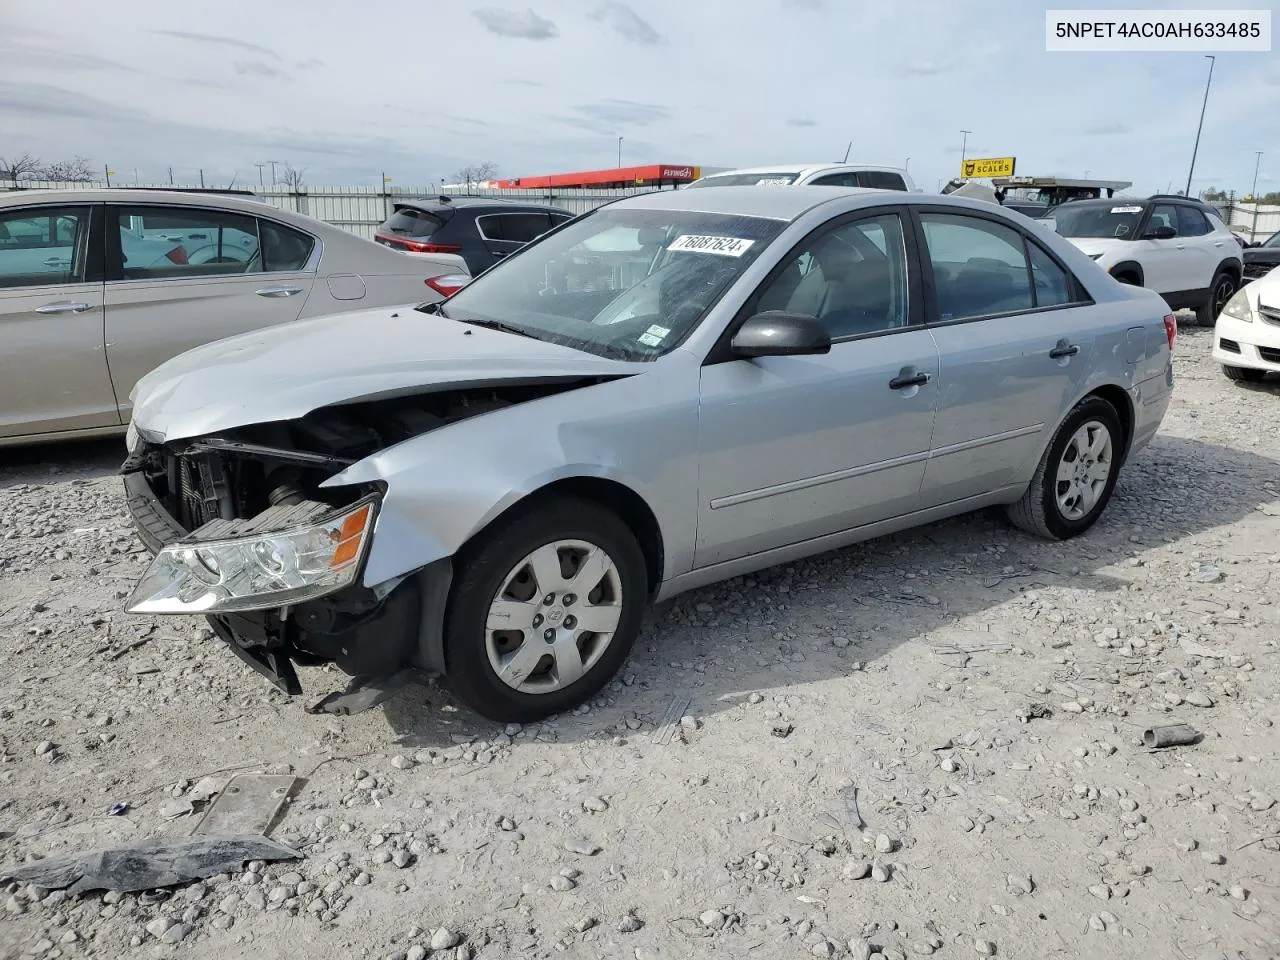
{"x":54,"y":462}
{"x":788,"y":625}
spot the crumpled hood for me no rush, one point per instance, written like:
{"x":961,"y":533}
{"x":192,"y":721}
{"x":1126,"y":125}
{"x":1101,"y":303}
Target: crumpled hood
{"x":1109,"y":247}
{"x":285,"y":372}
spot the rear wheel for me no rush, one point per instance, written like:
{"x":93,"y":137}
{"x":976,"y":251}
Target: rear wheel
{"x":1245,"y":374}
{"x":1076,"y":476}
{"x":1220,"y":291}
{"x":545,"y":608}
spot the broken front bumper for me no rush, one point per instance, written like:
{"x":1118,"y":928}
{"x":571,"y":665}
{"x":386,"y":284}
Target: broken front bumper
{"x":371,"y":635}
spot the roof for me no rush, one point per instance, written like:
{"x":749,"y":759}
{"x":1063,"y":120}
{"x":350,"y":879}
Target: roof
{"x":803,"y":169}
{"x":250,"y":204}
{"x":1059,"y":182}
{"x":771,"y":203}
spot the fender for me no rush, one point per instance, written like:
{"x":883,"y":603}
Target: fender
{"x":1129,"y":266}
{"x":444,"y":487}
{"x":1234,"y":264}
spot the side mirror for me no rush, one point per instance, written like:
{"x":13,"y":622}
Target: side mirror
{"x":776,"y":333}
{"x":1160,"y":233}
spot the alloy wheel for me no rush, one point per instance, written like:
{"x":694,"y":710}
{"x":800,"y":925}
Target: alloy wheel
{"x":1083,"y":470}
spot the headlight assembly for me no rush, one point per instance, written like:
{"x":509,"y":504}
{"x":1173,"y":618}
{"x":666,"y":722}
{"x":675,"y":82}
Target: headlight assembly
{"x":1238,"y":308}
{"x":258,"y":572}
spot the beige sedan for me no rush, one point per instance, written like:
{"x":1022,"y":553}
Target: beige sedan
{"x":97,"y":287}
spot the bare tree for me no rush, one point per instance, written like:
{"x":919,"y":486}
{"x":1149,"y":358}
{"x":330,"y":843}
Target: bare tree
{"x":19,"y":168}
{"x":65,"y":171}
{"x":292,"y":176}
{"x":477,"y":173}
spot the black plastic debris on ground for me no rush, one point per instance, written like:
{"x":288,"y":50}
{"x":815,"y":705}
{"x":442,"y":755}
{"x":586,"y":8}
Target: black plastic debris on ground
{"x":150,"y":865}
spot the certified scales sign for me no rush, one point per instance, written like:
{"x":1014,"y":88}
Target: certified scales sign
{"x":988,"y":167}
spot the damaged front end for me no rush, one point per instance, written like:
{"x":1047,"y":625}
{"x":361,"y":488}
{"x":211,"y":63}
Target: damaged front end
{"x":244,"y":533}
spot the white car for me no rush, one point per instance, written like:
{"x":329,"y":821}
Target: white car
{"x":1177,"y":247}
{"x":1247,"y":339}
{"x":812,"y":175}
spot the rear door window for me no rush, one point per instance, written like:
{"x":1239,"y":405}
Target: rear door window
{"x":979,"y":267}
{"x":1191,"y":222}
{"x":513,"y":227}
{"x":180,"y":242}
{"x":836,"y":180}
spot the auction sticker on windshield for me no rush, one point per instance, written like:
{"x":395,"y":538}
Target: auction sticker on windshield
{"x":654,"y":336}
{"x":721,"y":246}
{"x":1126,"y":209}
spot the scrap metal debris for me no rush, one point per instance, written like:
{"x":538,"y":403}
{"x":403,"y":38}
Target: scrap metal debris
{"x":1171,"y":735}
{"x":150,"y":865}
{"x":248,"y":804}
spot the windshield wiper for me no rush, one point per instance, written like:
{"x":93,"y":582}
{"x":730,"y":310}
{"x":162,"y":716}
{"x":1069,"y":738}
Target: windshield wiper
{"x":497,"y":325}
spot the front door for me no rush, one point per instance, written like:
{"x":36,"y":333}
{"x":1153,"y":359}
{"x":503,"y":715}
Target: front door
{"x":793,"y":448}
{"x":53,"y":373}
{"x":1014,"y":352}
{"x":186,"y":276}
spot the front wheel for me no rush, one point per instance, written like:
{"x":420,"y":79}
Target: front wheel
{"x":1076,"y":476}
{"x":544,"y":610}
{"x":1220,"y":291}
{"x":1245,"y":374}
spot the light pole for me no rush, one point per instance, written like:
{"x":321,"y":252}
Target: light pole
{"x":273,"y":171}
{"x":907,"y":166}
{"x":1196,"y":148}
{"x":260,"y":166}
{"x":1253,"y":194}
{"x":619,"y":153}
{"x":964,"y":145}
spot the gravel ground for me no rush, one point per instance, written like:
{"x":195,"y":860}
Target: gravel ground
{"x":927,"y":743}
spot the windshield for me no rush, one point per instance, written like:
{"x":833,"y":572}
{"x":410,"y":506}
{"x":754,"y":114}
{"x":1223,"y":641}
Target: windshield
{"x":627,"y":284}
{"x":746,"y":180}
{"x":1273,"y":242}
{"x":1118,"y":221}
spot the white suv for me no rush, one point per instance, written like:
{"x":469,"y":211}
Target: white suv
{"x":812,"y":174}
{"x":1177,"y":247}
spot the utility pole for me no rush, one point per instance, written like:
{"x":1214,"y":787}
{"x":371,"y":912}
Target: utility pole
{"x":107,"y":170}
{"x":171,"y":176}
{"x":1196,"y":149}
{"x":1253,"y":194}
{"x":260,"y":166}
{"x":619,"y":153}
{"x":964,"y":144}
{"x":907,"y":166}
{"x":273,"y":171}
{"x":201,"y":178}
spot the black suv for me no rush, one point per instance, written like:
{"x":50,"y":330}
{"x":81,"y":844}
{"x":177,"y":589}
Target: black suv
{"x":1261,"y":258}
{"x":482,"y":230}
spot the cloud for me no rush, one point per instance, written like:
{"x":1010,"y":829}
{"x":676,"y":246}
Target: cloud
{"x":512,"y":23}
{"x":801,"y":122}
{"x":627,"y":23}
{"x":925,"y":68}
{"x":256,"y":68}
{"x":625,"y":111}
{"x":209,"y":38}
{"x":14,"y":54}
{"x":1105,"y":129}
{"x":311,"y":64}
{"x":39,"y":101}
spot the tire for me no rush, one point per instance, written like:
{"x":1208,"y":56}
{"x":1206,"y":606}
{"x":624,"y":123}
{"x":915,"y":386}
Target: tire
{"x":1243,"y":374}
{"x":1040,"y":511}
{"x":1220,"y":291}
{"x":1128,"y":279}
{"x":496,"y":568}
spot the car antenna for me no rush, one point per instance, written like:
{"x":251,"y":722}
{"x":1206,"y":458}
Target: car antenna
{"x":846,"y":152}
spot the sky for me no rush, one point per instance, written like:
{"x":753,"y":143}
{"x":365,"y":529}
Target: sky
{"x":417,"y":89}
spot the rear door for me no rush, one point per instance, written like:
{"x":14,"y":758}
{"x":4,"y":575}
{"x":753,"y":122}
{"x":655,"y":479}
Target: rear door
{"x":1204,"y":249}
{"x":230,"y":273}
{"x":53,"y":374}
{"x":1014,"y":332}
{"x":505,"y":233}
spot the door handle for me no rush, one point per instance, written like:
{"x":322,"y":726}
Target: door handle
{"x":57,"y":261}
{"x":281,"y":291}
{"x":64,"y":306}
{"x":1181,"y":246}
{"x":909,"y":377}
{"x":1217,"y":243}
{"x":1064,"y":349}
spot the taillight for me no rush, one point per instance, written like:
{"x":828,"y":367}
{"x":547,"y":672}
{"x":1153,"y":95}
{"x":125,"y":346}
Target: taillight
{"x":1170,"y":328}
{"x":178,"y":255}
{"x":418,"y":246}
{"x":449,"y":284}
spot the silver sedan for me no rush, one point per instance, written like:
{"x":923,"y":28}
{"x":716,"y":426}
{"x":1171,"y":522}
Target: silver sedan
{"x":672,"y":390}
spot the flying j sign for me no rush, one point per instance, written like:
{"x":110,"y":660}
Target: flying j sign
{"x":988,"y":167}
